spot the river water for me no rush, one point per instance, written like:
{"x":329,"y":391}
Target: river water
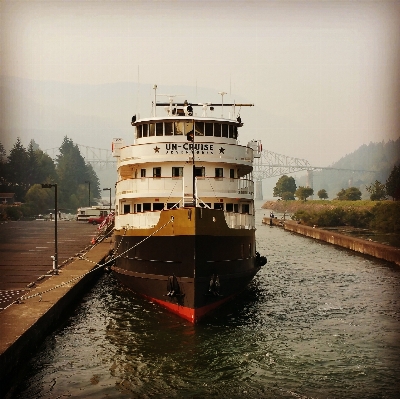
{"x":317,"y":322}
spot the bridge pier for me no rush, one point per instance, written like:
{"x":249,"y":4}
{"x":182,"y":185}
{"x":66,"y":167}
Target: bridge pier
{"x":259,"y":193}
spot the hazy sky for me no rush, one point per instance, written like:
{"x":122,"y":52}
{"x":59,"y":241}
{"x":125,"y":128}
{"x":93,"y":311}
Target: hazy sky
{"x":323,"y":74}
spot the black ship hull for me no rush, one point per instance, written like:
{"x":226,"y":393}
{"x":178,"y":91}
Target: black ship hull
{"x":190,"y":262}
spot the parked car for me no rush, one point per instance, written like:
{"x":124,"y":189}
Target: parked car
{"x":96,"y":219}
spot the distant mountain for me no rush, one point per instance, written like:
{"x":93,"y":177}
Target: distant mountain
{"x":361,"y":168}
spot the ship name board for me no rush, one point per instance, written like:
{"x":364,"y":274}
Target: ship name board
{"x":187,"y":148}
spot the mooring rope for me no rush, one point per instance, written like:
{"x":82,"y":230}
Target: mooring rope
{"x":97,"y":266}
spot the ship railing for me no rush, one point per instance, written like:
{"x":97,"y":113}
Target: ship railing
{"x":177,"y":186}
{"x":239,"y":220}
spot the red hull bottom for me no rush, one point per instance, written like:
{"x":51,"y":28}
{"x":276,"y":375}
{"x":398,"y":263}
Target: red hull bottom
{"x":192,"y":315}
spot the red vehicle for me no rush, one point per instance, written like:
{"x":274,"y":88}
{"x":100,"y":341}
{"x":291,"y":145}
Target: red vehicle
{"x":97,"y":219}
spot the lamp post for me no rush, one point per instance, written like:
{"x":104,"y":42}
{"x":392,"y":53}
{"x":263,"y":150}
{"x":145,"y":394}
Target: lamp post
{"x":108,"y":189}
{"x":55,"y":257}
{"x":88,"y":182}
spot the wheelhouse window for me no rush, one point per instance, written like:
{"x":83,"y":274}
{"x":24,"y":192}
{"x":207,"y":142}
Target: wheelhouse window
{"x":232,"y":173}
{"x":159,"y":129}
{"x":152,"y":129}
{"x":219,"y":205}
{"x":139,"y":208}
{"x":199,"y":171}
{"x":142,"y":172}
{"x":146,"y":206}
{"x":177,"y":171}
{"x":230,"y":134}
{"x":217,"y":129}
{"x":127,"y":208}
{"x":209,"y":129}
{"x":157,"y":172}
{"x":224,"y":130}
{"x":139,"y":131}
{"x":144,"y":130}
{"x":179,"y":128}
{"x":236,"y":208}
{"x":199,"y":128}
{"x":219,"y":172}
{"x":169,"y":128}
{"x":245,"y":208}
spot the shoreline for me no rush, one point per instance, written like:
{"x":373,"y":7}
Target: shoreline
{"x":365,"y":247}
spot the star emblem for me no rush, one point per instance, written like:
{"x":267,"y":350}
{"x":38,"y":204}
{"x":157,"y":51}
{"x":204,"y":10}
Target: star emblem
{"x":156,"y":149}
{"x":222,"y":150}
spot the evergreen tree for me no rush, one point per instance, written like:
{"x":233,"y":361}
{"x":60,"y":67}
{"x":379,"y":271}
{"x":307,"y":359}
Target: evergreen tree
{"x":393,"y":183}
{"x":3,"y":164}
{"x":71,"y":170}
{"x":16,"y":170}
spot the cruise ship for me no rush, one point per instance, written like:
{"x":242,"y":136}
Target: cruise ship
{"x":184,"y":207}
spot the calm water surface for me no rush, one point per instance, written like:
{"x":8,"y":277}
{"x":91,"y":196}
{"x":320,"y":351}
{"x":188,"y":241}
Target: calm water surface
{"x":317,"y":322}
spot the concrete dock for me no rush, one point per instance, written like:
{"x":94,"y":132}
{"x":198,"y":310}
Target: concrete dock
{"x":47,"y":298}
{"x":371,"y":248}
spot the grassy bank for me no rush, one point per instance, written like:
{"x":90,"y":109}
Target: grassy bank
{"x":376,"y":215}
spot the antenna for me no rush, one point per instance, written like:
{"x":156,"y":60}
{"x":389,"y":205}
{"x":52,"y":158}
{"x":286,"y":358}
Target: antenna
{"x":222,"y":95}
{"x":170,"y":99}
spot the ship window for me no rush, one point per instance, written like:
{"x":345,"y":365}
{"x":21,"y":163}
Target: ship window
{"x":217,"y":129}
{"x":229,"y":207}
{"x":219,"y":205}
{"x":219,"y":172}
{"x":235,"y":132}
{"x":144,"y":130}
{"x":199,"y":171}
{"x":177,"y":171}
{"x":159,"y":129}
{"x":139,"y":207}
{"x":152,"y":129}
{"x":232,"y":173}
{"x":199,"y":126}
{"x":127,"y":208}
{"x":189,"y":127}
{"x":179,"y":128}
{"x":142,"y":172}
{"x":230,"y":131}
{"x":158,"y":206}
{"x":171,"y":205}
{"x":245,"y":208}
{"x":224,"y":130}
{"x":208,"y":129}
{"x":169,"y":128}
{"x":139,"y":131}
{"x":146,"y":206}
{"x":236,"y":208}
{"x":157,"y":172}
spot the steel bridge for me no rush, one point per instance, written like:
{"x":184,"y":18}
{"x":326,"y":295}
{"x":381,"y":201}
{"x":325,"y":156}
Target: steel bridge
{"x":270,"y":164}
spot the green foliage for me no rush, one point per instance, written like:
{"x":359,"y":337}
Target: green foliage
{"x":10,"y":212}
{"x":287,"y":196}
{"x":350,"y":194}
{"x":386,"y":216}
{"x":302,"y":193}
{"x":39,"y":199}
{"x":285,"y":184}
{"x":393,"y":183}
{"x":333,"y":217}
{"x":377,"y":191}
{"x":322,"y":194}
